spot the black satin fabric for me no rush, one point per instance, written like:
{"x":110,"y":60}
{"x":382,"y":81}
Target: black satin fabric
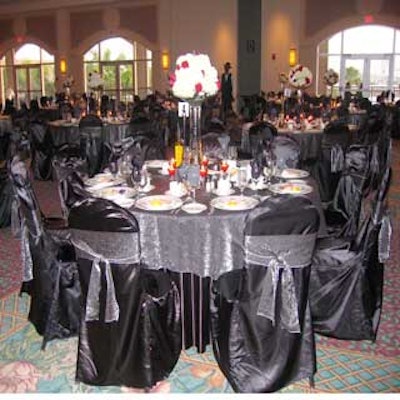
{"x":286,"y":151}
{"x":346,"y":205}
{"x":346,"y":289}
{"x":92,"y":141}
{"x":143,"y":345}
{"x":327,"y":170}
{"x":6,"y":198}
{"x":54,"y":289}
{"x":346,"y":284}
{"x":42,"y":151}
{"x":255,"y":355}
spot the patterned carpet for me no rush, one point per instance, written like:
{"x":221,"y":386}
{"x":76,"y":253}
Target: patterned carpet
{"x":343,"y":366}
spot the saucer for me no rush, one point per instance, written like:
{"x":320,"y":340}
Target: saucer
{"x":194,"y":208}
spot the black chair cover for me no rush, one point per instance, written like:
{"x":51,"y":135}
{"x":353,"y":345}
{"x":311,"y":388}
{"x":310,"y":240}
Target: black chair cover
{"x":50,"y":271}
{"x":349,"y":193}
{"x":261,"y":323}
{"x":327,"y":170}
{"x":92,"y":147}
{"x":130,"y":330}
{"x":286,"y":152}
{"x":42,"y":151}
{"x":6,"y":198}
{"x":346,"y":282}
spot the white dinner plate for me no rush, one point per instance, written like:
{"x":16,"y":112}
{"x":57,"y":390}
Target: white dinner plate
{"x":159,"y":203}
{"x":194,"y":208}
{"x":234,"y":203}
{"x":290,"y":188}
{"x":292,"y":173}
{"x":115,"y":192}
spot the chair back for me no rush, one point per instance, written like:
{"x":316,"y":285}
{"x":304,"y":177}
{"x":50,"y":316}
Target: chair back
{"x":103,"y":232}
{"x":268,"y":299}
{"x":286,"y":152}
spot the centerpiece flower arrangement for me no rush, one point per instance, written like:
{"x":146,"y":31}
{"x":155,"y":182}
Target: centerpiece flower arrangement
{"x":331,"y":77}
{"x":283,"y":78}
{"x":68,"y":83}
{"x":95,"y":81}
{"x":194,"y":79}
{"x":300,"y":77}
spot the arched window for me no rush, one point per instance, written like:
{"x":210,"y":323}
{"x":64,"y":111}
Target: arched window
{"x":125,"y":68}
{"x":29,"y":72}
{"x":367,"y":58}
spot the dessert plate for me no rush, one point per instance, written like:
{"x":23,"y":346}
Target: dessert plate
{"x":194,"y":208}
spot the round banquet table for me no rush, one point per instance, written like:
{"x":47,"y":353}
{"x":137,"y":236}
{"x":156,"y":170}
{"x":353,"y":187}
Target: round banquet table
{"x":310,"y":142}
{"x":197,"y":248}
{"x":65,"y":132}
{"x":209,"y":243}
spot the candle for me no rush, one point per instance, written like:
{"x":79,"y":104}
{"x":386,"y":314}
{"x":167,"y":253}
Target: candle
{"x":172,"y":163}
{"x":203,"y":171}
{"x":224,"y":166}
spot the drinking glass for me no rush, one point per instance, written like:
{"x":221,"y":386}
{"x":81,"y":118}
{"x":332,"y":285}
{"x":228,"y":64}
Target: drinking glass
{"x":269,"y":170}
{"x":242,"y":179}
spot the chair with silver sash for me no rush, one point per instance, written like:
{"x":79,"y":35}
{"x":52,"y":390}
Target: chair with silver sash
{"x":50,"y":274}
{"x":130,"y":332}
{"x":261,"y":322}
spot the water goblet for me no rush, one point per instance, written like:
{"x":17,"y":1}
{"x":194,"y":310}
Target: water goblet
{"x":242,"y":179}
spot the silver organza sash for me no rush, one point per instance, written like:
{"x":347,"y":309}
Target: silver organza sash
{"x":104,"y":248}
{"x":337,"y":158}
{"x":280,"y":254}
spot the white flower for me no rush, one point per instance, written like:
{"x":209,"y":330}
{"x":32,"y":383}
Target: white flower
{"x":95,"y":81}
{"x":300,"y":76}
{"x":194,"y":77}
{"x":331,"y":77}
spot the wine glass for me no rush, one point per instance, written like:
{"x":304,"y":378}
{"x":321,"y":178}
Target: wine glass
{"x":256,"y":171}
{"x":144,"y":179}
{"x":269,"y":170}
{"x":242,"y":179}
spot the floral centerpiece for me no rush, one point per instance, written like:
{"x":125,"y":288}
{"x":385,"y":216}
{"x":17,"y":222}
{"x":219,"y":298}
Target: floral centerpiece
{"x":283,"y":78}
{"x":194,"y":79}
{"x":300,"y":77}
{"x":68,"y":82}
{"x":331,"y":77}
{"x":95,"y":81}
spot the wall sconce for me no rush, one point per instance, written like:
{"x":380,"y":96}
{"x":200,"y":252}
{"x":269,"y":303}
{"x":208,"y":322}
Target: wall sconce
{"x":165,"y":60}
{"x":292,"y":57}
{"x":63,"y":66}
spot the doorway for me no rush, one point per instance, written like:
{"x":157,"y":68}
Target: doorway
{"x":370,"y":72}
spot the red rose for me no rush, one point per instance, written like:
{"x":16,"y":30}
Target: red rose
{"x":219,"y":85}
{"x":185,"y":64}
{"x":172,"y":78}
{"x":307,"y":81}
{"x":198,"y":87}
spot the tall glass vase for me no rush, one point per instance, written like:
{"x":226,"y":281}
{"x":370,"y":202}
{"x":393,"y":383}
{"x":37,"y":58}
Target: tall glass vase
{"x":195,"y":131}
